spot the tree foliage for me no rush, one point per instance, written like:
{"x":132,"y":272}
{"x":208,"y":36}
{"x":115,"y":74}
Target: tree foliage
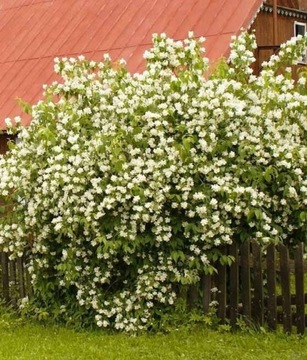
{"x":125,"y":185}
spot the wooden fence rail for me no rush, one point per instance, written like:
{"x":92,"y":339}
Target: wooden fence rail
{"x":262,"y":286}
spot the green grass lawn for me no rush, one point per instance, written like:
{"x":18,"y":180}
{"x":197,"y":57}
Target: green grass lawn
{"x":26,"y":341}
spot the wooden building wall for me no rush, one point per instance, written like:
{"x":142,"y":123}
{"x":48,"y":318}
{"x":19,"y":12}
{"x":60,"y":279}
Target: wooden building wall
{"x":263,"y":26}
{"x":287,"y":3}
{"x":291,"y":4}
{"x":302,"y":5}
{"x":4,"y":138}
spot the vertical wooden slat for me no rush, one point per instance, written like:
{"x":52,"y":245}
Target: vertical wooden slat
{"x":299,"y":289}
{"x":221,"y":285}
{"x":258,"y":304}
{"x":5,"y":277}
{"x":206,"y":291}
{"x":29,"y":283}
{"x":271,"y":283}
{"x":13,"y":295}
{"x":234,"y":285}
{"x":245,"y":278}
{"x":285,"y":287}
{"x":192,"y":296}
{"x":20,"y":271}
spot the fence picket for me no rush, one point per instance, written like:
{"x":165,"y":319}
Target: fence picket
{"x":271,"y":285}
{"x":192,"y":296}
{"x":245,"y":278}
{"x":241,"y":282}
{"x":5,"y":277}
{"x":20,"y":270}
{"x":299,"y":289}
{"x":206,"y":282}
{"x":221,"y":295}
{"x":13,"y":284}
{"x":258,"y":305}
{"x":285,"y":287}
{"x":234,"y":285}
{"x":29,"y":284}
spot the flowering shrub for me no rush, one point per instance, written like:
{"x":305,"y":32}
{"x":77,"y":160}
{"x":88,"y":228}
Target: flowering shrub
{"x":125,"y":185}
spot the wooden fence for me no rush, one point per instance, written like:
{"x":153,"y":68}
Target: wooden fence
{"x":15,"y":280}
{"x":261,"y":286}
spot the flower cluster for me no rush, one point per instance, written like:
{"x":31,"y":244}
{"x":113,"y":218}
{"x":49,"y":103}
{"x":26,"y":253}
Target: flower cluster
{"x":125,"y":185}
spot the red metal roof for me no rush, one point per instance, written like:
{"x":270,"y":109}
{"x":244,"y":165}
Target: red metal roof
{"x":33,"y":32}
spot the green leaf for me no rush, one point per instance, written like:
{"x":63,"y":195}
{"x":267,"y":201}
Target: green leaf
{"x":177,"y":255}
{"x":303,"y":216}
{"x":267,"y":175}
{"x":25,"y":106}
{"x":258,"y":214}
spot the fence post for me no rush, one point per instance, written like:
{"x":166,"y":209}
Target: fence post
{"x":299,"y":289}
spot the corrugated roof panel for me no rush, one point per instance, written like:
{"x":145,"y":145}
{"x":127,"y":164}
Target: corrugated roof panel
{"x":205,"y":22}
{"x":59,"y":29}
{"x":136,"y":62}
{"x":227,"y":11}
{"x":190,"y":16}
{"x":217,"y":45}
{"x":12,"y":4}
{"x":94,"y":25}
{"x":128,"y":31}
{"x":35,"y":31}
{"x":5,"y":18}
{"x":164,"y":20}
{"x":125,"y":30}
{"x":141,"y":22}
{"x":31,"y":31}
{"x":41,"y":69}
{"x":22,"y":70}
{"x":8,"y":35}
{"x":7,"y":74}
{"x":113,"y":53}
{"x":176,"y":24}
{"x":126,"y":54}
{"x":78,"y":25}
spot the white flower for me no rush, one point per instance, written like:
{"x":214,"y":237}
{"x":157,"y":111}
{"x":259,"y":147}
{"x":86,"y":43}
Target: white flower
{"x":8,"y":122}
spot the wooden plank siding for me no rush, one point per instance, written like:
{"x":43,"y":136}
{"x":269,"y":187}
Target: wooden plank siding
{"x":291,"y":4}
{"x":263,"y":27}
